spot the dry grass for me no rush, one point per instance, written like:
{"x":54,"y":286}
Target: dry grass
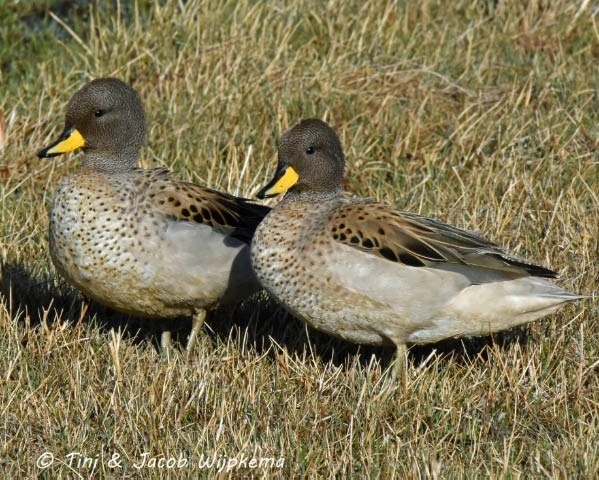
{"x":482,"y":114}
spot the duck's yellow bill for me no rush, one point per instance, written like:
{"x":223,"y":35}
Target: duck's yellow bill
{"x":69,"y":140}
{"x":284,"y":179}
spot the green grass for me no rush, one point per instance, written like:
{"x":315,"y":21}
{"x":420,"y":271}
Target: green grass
{"x":481,"y":114}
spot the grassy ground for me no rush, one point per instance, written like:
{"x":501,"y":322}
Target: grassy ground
{"x":482,"y":114}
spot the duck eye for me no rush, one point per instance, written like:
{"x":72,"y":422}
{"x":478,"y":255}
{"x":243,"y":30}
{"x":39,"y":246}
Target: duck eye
{"x":99,"y":113}
{"x":310,"y":150}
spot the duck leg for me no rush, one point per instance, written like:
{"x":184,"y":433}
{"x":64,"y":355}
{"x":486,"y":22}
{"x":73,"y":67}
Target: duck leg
{"x":165,"y":340}
{"x":400,"y":360}
{"x":198,"y":321}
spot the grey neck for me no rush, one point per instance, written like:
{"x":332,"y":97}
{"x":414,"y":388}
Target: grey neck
{"x":293,"y":196}
{"x":110,"y":163}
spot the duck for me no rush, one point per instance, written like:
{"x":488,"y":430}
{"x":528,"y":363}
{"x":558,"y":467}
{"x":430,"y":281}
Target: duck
{"x":370,"y":274}
{"x":141,"y":241}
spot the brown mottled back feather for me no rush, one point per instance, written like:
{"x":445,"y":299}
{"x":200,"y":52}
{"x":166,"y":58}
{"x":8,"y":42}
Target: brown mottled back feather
{"x":419,"y":241}
{"x":189,"y":202}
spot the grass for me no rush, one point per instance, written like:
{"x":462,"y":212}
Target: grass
{"x":481,"y":114}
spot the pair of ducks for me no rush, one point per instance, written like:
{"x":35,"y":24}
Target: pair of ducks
{"x":146,"y":244}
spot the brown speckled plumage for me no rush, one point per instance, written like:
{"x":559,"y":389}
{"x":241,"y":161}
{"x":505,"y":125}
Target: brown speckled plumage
{"x":140,"y":241}
{"x":368,"y":273}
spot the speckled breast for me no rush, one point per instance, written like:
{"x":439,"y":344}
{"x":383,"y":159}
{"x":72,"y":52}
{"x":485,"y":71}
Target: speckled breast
{"x":290,"y":254}
{"x":98,"y":243}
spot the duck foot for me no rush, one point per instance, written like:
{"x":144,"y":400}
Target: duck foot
{"x":198,"y":321}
